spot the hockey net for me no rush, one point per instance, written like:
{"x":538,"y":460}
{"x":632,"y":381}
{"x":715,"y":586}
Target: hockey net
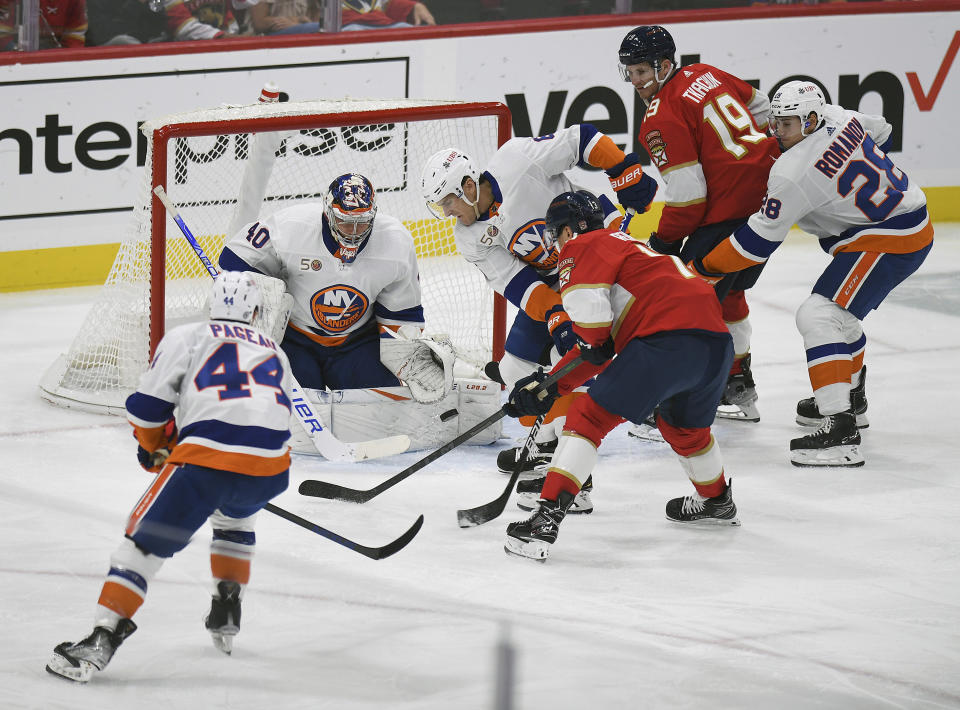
{"x":224,"y":168}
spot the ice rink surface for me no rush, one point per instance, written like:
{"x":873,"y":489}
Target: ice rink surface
{"x":840,"y":590}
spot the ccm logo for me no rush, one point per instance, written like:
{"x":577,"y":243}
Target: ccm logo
{"x":621,"y":182}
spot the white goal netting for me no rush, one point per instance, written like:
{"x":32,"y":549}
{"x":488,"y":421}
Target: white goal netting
{"x":229,"y":166}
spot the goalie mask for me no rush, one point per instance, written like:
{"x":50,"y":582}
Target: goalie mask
{"x":236,"y":297}
{"x":800,"y":99}
{"x":443,"y":175}
{"x":349,"y":208}
{"x":580,"y":210}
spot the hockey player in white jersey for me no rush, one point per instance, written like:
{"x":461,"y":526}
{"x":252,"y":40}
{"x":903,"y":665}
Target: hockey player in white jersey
{"x":357,"y":315}
{"x":836,"y":182}
{"x":499,"y":229}
{"x":223,"y":458}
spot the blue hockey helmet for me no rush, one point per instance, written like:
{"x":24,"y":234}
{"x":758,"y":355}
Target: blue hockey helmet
{"x":647,"y":43}
{"x":580,"y":210}
{"x":350,"y":208}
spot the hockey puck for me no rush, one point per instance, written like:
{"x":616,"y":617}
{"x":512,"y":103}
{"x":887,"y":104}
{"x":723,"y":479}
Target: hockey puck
{"x":449,"y":414}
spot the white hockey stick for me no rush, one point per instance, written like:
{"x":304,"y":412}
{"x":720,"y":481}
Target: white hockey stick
{"x":329,"y":446}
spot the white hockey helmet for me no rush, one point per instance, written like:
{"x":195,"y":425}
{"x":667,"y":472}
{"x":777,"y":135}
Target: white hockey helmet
{"x":444,"y":174}
{"x":236,"y":296}
{"x":800,"y":99}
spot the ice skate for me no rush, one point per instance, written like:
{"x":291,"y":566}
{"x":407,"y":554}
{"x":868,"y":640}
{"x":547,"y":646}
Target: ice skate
{"x":740,"y":397}
{"x":532,"y":538}
{"x":537,"y":460}
{"x":646,"y":430}
{"x":529,"y":494}
{"x":79,"y":661}
{"x":835,"y":443}
{"x":808,"y":414}
{"x":223,"y":621}
{"x":698,"y":510}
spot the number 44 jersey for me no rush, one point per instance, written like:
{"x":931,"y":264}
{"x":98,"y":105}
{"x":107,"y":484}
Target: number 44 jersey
{"x":705,"y":133}
{"x":231,"y":386}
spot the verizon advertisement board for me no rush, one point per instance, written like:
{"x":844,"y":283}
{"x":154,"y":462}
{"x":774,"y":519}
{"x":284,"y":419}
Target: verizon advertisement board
{"x":71,"y":157}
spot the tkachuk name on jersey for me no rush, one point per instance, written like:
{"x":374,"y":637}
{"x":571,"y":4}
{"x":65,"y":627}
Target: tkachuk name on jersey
{"x":239,"y":332}
{"x":836,"y":156}
{"x":699,"y":87}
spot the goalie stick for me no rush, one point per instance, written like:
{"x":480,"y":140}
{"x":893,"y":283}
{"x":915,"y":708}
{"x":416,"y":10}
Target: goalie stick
{"x":471,"y":517}
{"x":330,"y":447}
{"x":322,"y":489}
{"x":374,"y":553}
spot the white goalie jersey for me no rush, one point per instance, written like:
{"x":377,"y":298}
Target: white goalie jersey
{"x":331,"y":298}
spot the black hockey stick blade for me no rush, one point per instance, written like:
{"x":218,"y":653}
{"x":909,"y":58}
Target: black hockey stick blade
{"x":489,"y":511}
{"x":374,"y":553}
{"x":322,"y":489}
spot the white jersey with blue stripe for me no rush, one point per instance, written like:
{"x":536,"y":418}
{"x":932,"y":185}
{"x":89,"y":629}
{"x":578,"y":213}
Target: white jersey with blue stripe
{"x":230,"y":385}
{"x":333,"y":298}
{"x":506,"y":243}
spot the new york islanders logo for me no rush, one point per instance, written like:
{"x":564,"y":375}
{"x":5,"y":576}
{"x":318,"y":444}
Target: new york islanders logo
{"x":338,"y":307}
{"x":527,"y":245}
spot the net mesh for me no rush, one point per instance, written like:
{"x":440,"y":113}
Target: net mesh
{"x":230,"y":166}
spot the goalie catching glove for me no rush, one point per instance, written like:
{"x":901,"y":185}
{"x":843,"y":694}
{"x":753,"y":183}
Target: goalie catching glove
{"x":424,"y":365}
{"x":153,"y":459}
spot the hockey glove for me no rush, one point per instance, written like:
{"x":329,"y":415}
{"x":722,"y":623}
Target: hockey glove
{"x":634,"y":187}
{"x":153,"y":461}
{"x":697,"y":267}
{"x":664,"y":247}
{"x":528,"y":398}
{"x":599,"y":354}
{"x":561,"y":330}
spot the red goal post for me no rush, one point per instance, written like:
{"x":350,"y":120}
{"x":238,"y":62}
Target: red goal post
{"x":229,"y":166}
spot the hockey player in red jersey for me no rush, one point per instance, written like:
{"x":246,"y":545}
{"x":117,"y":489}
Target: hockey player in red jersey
{"x":672,"y":350}
{"x":230,"y":385}
{"x":705,"y":130}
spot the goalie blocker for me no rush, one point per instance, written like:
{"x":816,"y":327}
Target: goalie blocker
{"x":360,"y":414}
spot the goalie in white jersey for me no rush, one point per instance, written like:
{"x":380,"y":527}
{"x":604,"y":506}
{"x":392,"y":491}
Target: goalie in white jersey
{"x":352,"y":273}
{"x":222,"y":459}
{"x":499,"y":229}
{"x":835,"y":181}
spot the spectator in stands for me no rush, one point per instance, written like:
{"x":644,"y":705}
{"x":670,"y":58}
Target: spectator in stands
{"x":125,"y":22}
{"x":285,"y":17}
{"x":63,"y":23}
{"x":204,"y":19}
{"x":384,"y":14}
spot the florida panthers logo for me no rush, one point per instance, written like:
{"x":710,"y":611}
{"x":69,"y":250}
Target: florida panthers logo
{"x":527,"y":245}
{"x":338,"y":307}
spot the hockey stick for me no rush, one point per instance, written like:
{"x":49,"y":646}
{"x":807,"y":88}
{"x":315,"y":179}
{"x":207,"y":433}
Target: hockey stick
{"x":323,"y":439}
{"x":488,"y":511}
{"x":374,"y":553}
{"x":322,"y":489}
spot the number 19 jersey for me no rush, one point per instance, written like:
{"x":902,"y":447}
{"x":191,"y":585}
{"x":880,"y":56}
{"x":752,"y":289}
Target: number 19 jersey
{"x":704,"y":132}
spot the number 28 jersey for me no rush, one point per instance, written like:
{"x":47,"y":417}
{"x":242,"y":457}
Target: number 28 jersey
{"x":704,"y":132}
{"x":839,"y":186}
{"x":231,"y":386}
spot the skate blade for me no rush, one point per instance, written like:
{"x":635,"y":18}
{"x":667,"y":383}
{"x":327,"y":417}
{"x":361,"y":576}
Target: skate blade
{"x":708,"y":522}
{"x":581,"y":505}
{"x":645,"y":432}
{"x":223,"y":638}
{"x":536,"y":550}
{"x":62,"y":667}
{"x":837,"y":456}
{"x":746,"y":412}
{"x":862,"y":421}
